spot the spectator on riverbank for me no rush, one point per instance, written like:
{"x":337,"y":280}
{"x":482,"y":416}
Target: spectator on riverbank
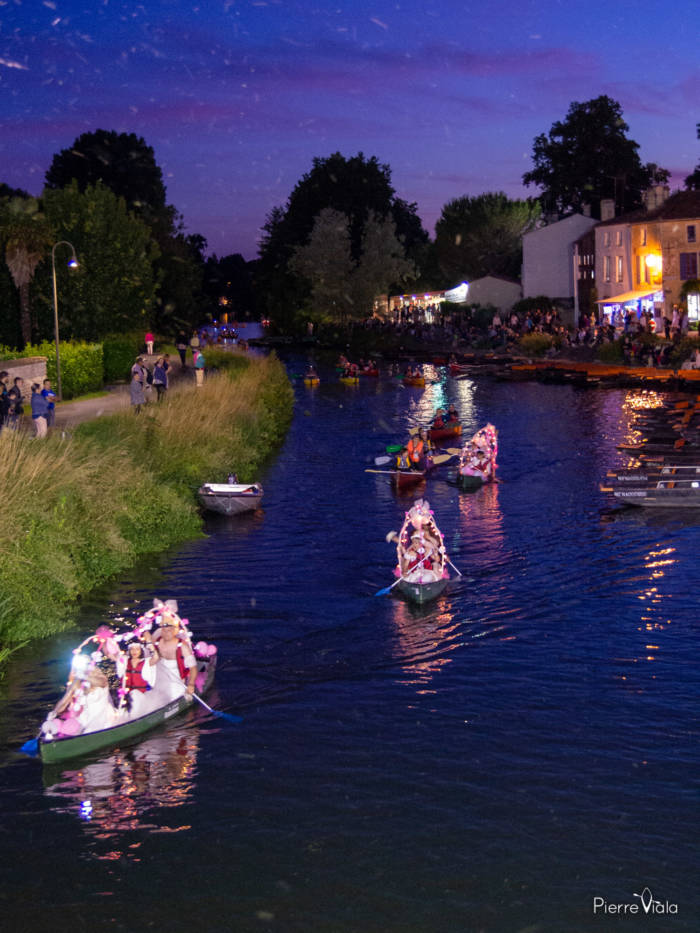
{"x":4,"y":401}
{"x":40,"y":408}
{"x":181,"y":347}
{"x":50,"y":397}
{"x":136,"y":391}
{"x":149,"y":339}
{"x":199,"y":365}
{"x":195,"y":344}
{"x":16,"y":409}
{"x":160,"y":377}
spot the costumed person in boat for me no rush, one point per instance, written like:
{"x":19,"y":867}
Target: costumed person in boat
{"x":92,"y":700}
{"x":478,"y":457}
{"x":419,"y":546}
{"x":139,"y":678}
{"x":177,"y":667}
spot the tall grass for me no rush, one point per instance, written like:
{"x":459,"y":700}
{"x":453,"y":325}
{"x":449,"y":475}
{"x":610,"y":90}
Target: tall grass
{"x":76,"y":511}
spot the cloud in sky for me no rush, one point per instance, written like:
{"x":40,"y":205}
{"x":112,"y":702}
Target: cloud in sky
{"x":236,"y":99}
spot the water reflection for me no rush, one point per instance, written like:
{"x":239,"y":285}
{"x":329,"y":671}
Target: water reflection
{"x":120,"y":792}
{"x":425,"y":640}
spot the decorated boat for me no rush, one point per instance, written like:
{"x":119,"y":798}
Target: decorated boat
{"x":421,"y":568}
{"x":230,"y":498}
{"x":477,"y":460}
{"x":115,"y":693}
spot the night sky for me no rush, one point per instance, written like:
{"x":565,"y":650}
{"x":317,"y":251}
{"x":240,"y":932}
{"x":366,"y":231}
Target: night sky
{"x":236,"y":98}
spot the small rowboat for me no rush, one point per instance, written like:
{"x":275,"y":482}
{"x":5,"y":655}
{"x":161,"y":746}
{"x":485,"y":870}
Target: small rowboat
{"x":421,"y":592}
{"x":417,"y":382}
{"x":404,"y":479}
{"x":311,"y":381}
{"x":73,"y":746}
{"x":350,"y":380}
{"x":369,"y":372}
{"x":449,"y":430}
{"x":230,"y":498}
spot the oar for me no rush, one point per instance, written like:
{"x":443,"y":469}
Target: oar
{"x":216,"y":712}
{"x":381,"y":461}
{"x":30,"y":748}
{"x":444,"y":458}
{"x":388,"y":589}
{"x":393,"y":448}
{"x":458,"y":572}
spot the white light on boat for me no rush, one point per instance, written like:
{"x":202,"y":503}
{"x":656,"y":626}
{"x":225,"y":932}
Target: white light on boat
{"x":80,"y":664}
{"x":695,"y":485}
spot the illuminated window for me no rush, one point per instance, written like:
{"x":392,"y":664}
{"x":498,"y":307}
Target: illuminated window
{"x":606,"y":238}
{"x":644,"y":236}
{"x":618,"y":268}
{"x":637,"y":270}
{"x":618,"y":238}
{"x":606,"y":268}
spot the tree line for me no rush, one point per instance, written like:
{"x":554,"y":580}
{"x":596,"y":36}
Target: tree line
{"x":342,"y":238}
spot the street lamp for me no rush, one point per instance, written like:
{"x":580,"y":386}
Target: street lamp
{"x":72,"y":264}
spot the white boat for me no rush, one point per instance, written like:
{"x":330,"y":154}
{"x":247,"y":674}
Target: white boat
{"x":230,"y":498}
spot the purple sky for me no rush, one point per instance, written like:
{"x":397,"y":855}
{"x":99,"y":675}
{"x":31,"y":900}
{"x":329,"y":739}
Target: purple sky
{"x":237,"y":97}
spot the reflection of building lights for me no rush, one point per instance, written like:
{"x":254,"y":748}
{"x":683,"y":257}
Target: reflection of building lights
{"x":86,"y":810}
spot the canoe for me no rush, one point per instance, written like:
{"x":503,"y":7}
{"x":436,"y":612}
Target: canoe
{"x":469,"y":483}
{"x":660,"y":498}
{"x":416,"y":381}
{"x":368,"y":372}
{"x":457,"y":369}
{"x":311,"y":380}
{"x":421,"y":592}
{"x":350,"y":380}
{"x":404,"y":479}
{"x":60,"y":749}
{"x":450,"y":430}
{"x":230,"y":498}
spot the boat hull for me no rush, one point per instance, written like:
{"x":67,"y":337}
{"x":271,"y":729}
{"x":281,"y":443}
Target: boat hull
{"x":469,"y":483}
{"x":311,"y":381}
{"x":418,"y":382}
{"x":230,"y":502}
{"x":350,"y":380}
{"x":452,"y":430}
{"x":421,"y":593}
{"x":405,"y":479}
{"x":62,"y":749}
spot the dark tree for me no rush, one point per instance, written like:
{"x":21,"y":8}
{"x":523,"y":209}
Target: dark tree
{"x":121,"y":161}
{"x":357,"y":188}
{"x":229,"y":278}
{"x":587,"y":157}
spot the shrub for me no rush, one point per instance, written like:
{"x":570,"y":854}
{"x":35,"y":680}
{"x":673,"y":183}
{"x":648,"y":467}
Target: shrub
{"x":536,"y":344}
{"x":81,"y":364}
{"x":611,"y":352}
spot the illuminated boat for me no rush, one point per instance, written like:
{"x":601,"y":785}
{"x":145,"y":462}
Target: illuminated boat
{"x":421,"y":556}
{"x":230,"y":498}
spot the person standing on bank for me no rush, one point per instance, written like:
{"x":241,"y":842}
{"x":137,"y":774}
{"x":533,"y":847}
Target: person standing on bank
{"x":181,"y":347}
{"x":136,"y":391}
{"x":40,"y":408}
{"x":199,"y":365}
{"x":4,"y":399}
{"x":160,"y":377}
{"x":50,"y":397}
{"x":148,"y":339}
{"x":14,"y":397}
{"x":194,"y":344}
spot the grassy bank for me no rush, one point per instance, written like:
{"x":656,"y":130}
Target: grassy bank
{"x":76,"y":511}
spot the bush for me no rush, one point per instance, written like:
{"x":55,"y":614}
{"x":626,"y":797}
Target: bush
{"x":611,"y":352}
{"x":536,"y":344}
{"x":118,"y":354}
{"x":81,"y":364}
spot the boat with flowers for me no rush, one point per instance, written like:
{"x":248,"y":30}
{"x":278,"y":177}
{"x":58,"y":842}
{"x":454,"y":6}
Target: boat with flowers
{"x":115,"y":693}
{"x":421,"y":567}
{"x":477,"y":460}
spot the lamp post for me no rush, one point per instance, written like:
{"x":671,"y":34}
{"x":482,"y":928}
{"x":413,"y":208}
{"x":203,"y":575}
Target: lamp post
{"x":72,"y":263}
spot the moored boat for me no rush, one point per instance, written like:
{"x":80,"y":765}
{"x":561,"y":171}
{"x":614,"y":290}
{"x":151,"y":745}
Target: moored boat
{"x":421,"y":557}
{"x":230,"y":498}
{"x":81,"y":724}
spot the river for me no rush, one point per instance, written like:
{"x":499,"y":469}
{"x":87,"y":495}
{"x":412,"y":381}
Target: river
{"x":492,"y":762}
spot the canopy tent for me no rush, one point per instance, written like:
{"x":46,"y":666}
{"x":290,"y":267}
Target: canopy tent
{"x":626,"y":297}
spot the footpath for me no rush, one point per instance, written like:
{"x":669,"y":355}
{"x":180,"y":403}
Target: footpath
{"x":117,"y":398}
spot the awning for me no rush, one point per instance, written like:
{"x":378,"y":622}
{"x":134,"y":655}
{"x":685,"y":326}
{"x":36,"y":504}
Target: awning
{"x":627,"y":296}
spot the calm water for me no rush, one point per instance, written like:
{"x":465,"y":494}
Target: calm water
{"x":488,"y":763}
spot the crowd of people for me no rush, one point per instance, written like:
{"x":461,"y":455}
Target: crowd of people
{"x":43,"y":404}
{"x":115,"y":678}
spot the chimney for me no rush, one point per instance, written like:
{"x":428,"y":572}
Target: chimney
{"x":655,"y":196}
{"x":607,"y":209}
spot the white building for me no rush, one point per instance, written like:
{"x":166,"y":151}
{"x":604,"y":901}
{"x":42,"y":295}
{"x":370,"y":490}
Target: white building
{"x":548,"y":258}
{"x":494,"y":290}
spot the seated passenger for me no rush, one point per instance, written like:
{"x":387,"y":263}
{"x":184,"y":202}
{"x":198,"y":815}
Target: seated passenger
{"x":416,"y":452}
{"x":403,"y":461}
{"x":139,"y":678}
{"x":439,"y":420}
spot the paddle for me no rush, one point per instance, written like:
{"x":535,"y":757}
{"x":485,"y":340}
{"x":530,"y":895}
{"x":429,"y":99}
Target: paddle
{"x":30,"y":748}
{"x":444,"y":458}
{"x":388,"y":589}
{"x":381,"y":461}
{"x":458,"y":572}
{"x":393,"y":448}
{"x":218,"y":713}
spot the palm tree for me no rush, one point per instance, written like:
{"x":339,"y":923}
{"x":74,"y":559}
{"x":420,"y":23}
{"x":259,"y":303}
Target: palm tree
{"x":27,"y":237}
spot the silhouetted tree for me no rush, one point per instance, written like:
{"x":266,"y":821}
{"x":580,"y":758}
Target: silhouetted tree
{"x":587,"y":157}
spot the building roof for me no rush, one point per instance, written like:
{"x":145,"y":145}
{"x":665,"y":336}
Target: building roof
{"x":683,"y":205}
{"x":625,"y":297}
